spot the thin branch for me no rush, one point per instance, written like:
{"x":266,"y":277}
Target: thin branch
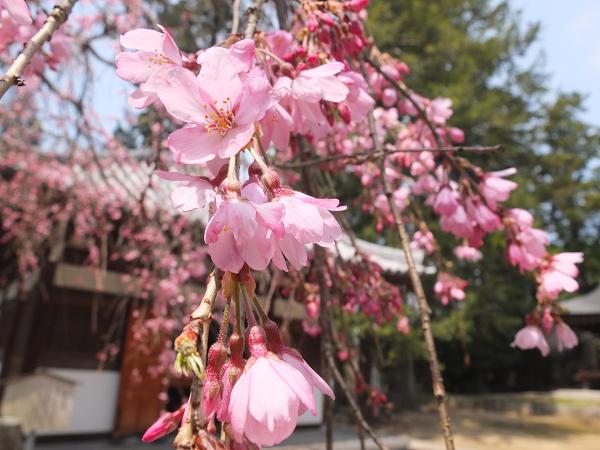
{"x":272,"y":287}
{"x":436,"y":375}
{"x":58,"y":16}
{"x":235,"y":20}
{"x":252,"y":15}
{"x":353,"y":405}
{"x":362,"y":157}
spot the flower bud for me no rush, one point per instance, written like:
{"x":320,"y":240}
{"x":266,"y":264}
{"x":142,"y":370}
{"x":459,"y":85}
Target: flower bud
{"x":344,"y":113}
{"x":271,"y":180}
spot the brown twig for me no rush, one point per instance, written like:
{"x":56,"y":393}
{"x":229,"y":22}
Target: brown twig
{"x":58,"y":16}
{"x":326,"y":343}
{"x":353,"y":405}
{"x":272,"y":288}
{"x":326,"y":324}
{"x":362,"y":157}
{"x":436,"y":375}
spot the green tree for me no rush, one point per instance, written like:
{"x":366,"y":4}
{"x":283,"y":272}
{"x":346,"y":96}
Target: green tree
{"x":472,"y":51}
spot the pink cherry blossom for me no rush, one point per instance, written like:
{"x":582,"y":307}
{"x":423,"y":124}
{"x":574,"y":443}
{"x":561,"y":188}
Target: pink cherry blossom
{"x":277,"y":125}
{"x":481,"y":214}
{"x":303,"y":95}
{"x":165,"y":424}
{"x":559,"y":274}
{"x":467,"y":253}
{"x":403,"y":325}
{"x":268,"y":397}
{"x":445,"y":202}
{"x":531,"y":337}
{"x":156,"y":56}
{"x":11,"y":31}
{"x":197,"y":192}
{"x":424,"y":240}
{"x":293,"y":358}
{"x":221,"y":111}
{"x":497,"y":189}
{"x":281,"y":43}
{"x":449,"y":287}
{"x":17,"y":10}
{"x":439,"y":110}
{"x":358,"y":99}
{"x":565,"y":337}
{"x":306,"y":220}
{"x":238,"y":233}
{"x":458,"y":223}
{"x":527,"y":248}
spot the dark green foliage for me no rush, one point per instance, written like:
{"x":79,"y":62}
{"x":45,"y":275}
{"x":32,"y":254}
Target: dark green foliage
{"x":472,"y":52}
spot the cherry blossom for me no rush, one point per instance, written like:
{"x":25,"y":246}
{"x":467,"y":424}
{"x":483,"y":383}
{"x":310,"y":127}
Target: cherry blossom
{"x":268,"y":397}
{"x":221,"y":111}
{"x":531,"y":337}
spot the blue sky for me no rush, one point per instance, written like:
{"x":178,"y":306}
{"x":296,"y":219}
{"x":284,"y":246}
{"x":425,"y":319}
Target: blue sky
{"x":570,"y":40}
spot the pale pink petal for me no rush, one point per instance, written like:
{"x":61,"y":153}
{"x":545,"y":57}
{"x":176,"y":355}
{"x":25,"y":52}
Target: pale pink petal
{"x":234,"y":141}
{"x":224,"y":254}
{"x":333,"y":89}
{"x":238,"y":406}
{"x":325,"y":70}
{"x":307,"y":90}
{"x":183,"y":97}
{"x":193,"y":144}
{"x":143,"y":39}
{"x":312,"y":376}
{"x":256,"y":251}
{"x":271,"y":215}
{"x":256,"y":98}
{"x":297,"y":383}
{"x":133,"y":67}
{"x":140,"y":99}
{"x":294,"y":251}
{"x":19,"y":11}
{"x":169,"y":47}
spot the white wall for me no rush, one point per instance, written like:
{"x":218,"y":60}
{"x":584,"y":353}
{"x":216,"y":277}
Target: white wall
{"x":95,"y":402}
{"x":307,"y":418}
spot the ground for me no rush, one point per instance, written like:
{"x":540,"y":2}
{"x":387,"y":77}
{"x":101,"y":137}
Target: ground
{"x":474,"y":430}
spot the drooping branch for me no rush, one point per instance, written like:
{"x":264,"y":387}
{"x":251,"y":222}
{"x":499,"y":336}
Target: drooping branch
{"x":424,"y":311}
{"x":362,"y":157}
{"x":58,"y":16}
{"x":326,"y":323}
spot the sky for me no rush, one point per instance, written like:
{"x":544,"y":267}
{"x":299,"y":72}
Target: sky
{"x":570,"y":40}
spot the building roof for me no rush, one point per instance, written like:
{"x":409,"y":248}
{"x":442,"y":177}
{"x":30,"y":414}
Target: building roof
{"x":584,"y":305}
{"x":390,"y":259}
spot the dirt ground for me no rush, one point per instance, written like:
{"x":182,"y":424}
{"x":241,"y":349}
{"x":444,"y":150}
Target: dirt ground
{"x":477,"y":430}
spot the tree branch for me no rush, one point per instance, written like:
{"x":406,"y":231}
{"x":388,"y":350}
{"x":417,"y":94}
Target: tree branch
{"x":362,"y":157}
{"x":252,"y":15}
{"x":424,"y":311}
{"x":58,"y":16}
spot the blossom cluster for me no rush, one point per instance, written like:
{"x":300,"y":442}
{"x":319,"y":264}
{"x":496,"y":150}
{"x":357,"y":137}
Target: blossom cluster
{"x":230,"y":106}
